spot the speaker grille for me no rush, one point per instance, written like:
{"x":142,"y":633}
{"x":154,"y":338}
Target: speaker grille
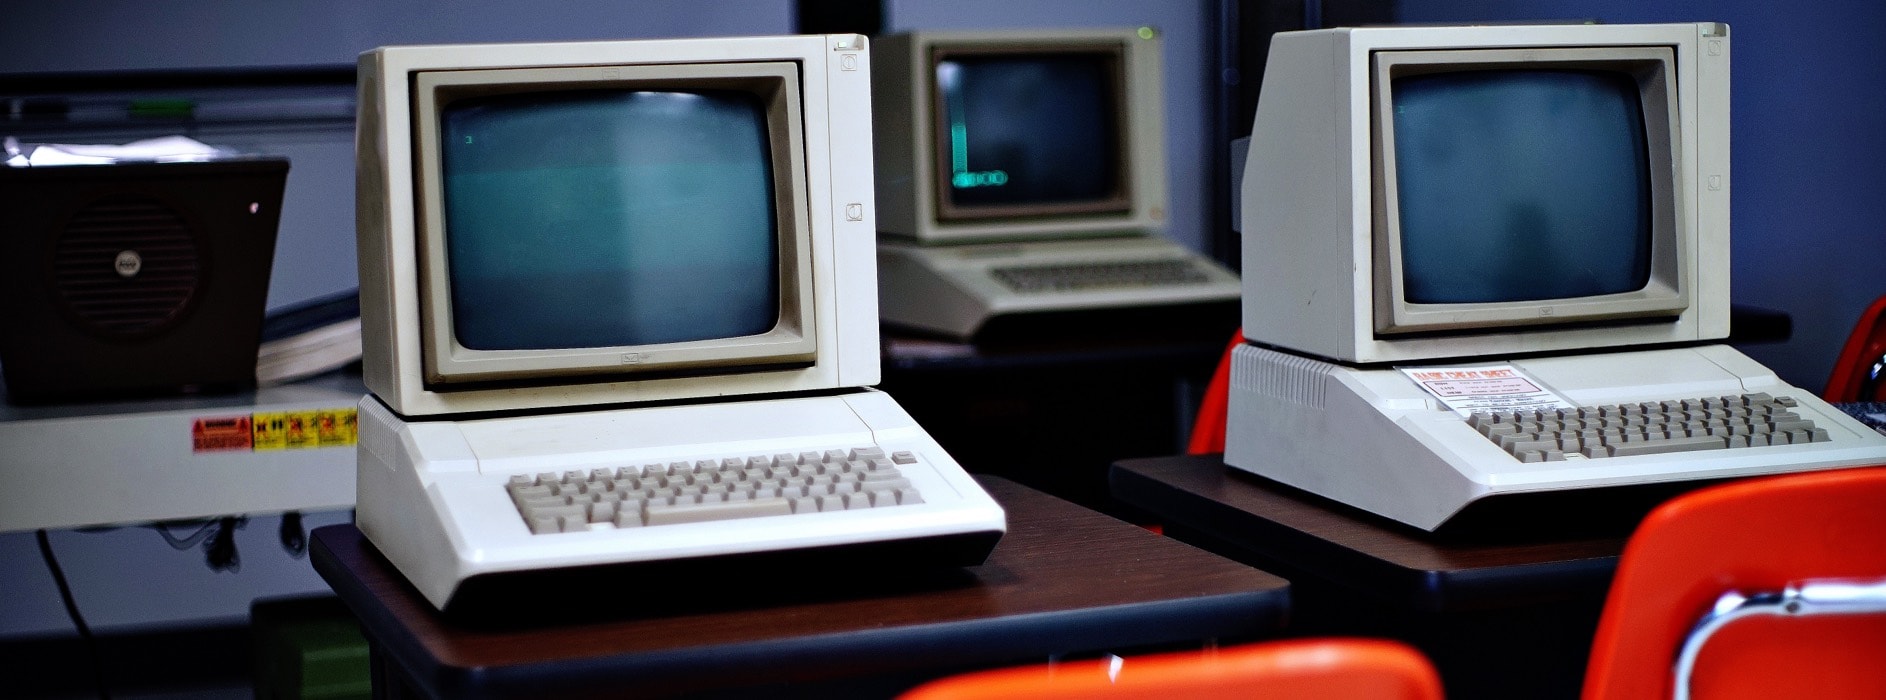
{"x":90,"y":262}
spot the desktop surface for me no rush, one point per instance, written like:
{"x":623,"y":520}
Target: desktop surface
{"x":1435,"y":572}
{"x":1506,"y":612}
{"x":1063,"y":581}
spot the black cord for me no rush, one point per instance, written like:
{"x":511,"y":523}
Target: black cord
{"x":203,"y":530}
{"x":294,"y":536}
{"x":218,"y":537}
{"x":72,"y":610}
{"x":221,"y":549}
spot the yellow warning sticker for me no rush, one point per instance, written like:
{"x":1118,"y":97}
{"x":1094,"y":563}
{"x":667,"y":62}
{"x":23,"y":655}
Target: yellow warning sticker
{"x":301,"y":433}
{"x":338,"y":427}
{"x":271,"y":431}
{"x":294,"y":430}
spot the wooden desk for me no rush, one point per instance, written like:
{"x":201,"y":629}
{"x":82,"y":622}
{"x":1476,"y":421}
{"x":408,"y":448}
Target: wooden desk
{"x":1511,"y":616}
{"x":1064,"y":581}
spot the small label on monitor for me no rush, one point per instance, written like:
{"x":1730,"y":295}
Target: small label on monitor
{"x":1487,"y":388}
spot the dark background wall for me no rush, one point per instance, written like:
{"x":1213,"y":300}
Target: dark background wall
{"x":1807,"y":140}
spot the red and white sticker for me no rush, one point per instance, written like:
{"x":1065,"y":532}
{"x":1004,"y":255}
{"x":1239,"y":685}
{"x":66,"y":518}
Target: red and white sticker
{"x":1489,"y":388}
{"x":221,"y":433}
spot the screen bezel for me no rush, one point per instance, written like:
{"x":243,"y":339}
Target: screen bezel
{"x":1117,"y":201}
{"x":1666,"y":293}
{"x":791,"y":342}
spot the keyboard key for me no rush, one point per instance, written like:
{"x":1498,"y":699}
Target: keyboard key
{"x":1679,"y":444}
{"x":724,"y":510}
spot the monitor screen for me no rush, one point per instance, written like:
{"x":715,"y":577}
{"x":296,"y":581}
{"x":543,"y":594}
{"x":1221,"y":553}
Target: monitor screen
{"x":1447,"y":193}
{"x":1019,"y":135}
{"x":1521,"y":185}
{"x":565,"y":224}
{"x":600,"y":218}
{"x":1026,"y":129}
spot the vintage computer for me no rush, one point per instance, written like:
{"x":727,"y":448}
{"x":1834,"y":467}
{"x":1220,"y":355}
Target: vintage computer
{"x":618,"y":311}
{"x":1024,"y":172}
{"x":1486,"y":261}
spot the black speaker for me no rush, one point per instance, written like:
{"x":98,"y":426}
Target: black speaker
{"x":135,"y":278}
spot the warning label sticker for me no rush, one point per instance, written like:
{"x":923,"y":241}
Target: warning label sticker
{"x":277,"y":430}
{"x":1500,"y":388}
{"x":216,"y":434}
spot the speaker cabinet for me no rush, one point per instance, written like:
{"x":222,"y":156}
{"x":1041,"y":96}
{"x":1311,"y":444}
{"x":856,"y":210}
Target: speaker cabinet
{"x":135,"y":278}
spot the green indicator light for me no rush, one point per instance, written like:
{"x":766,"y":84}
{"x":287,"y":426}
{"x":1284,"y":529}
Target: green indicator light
{"x":1147,"y":32}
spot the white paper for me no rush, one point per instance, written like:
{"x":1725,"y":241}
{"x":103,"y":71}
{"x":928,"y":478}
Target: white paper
{"x":165,"y":149}
{"x":1489,"y":388}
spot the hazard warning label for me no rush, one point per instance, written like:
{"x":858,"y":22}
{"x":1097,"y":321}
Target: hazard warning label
{"x":216,"y":434}
{"x":277,"y":430}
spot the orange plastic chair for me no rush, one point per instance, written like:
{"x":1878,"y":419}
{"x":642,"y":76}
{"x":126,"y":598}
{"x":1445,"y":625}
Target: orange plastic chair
{"x":1327,"y":669}
{"x":1208,"y":429}
{"x":1857,"y":374}
{"x":1766,"y":588}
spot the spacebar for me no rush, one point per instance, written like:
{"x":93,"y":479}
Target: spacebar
{"x":728,"y":510}
{"x":1682,"y":444}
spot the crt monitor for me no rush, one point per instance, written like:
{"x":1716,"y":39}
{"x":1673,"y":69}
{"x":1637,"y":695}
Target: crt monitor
{"x":1019,"y":134}
{"x":611,"y":222}
{"x":1427,"y":193}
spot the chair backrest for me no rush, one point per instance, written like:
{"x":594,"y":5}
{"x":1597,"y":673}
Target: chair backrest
{"x":1727,"y":550}
{"x":1857,"y":375}
{"x":1208,"y":429}
{"x":1326,"y":669}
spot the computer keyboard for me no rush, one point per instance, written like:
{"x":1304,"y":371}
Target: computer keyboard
{"x":1096,"y":275}
{"x":707,"y":490}
{"x":956,"y":290}
{"x":474,"y":510}
{"x":1643,"y":428}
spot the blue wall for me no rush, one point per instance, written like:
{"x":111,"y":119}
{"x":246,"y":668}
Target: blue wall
{"x":1808,"y":137}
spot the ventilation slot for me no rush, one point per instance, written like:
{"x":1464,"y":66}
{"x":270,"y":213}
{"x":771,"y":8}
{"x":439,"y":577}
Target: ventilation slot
{"x":86,"y":266}
{"x":1290,"y":378}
